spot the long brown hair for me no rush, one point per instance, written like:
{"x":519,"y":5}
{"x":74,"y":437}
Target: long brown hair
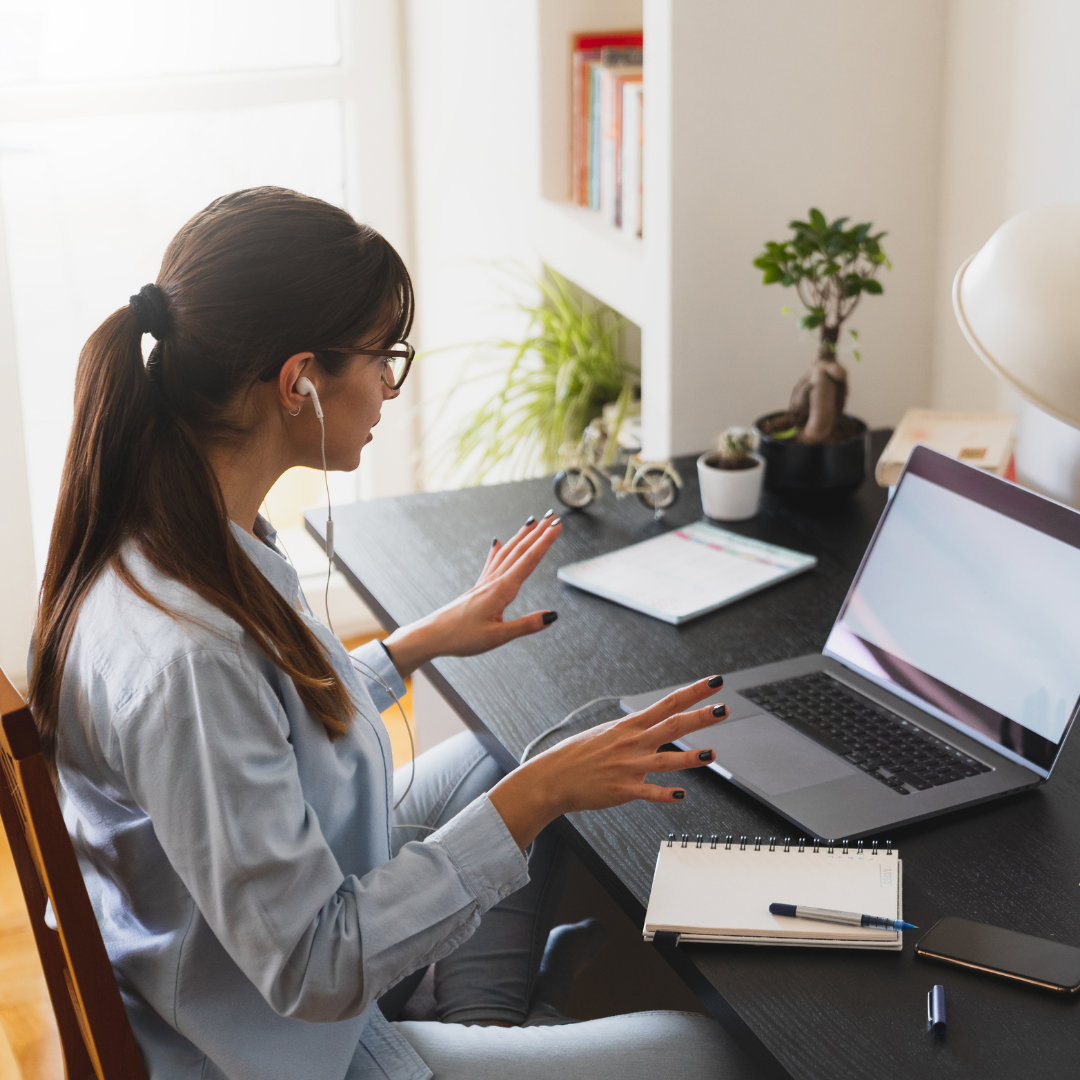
{"x":254,"y":278}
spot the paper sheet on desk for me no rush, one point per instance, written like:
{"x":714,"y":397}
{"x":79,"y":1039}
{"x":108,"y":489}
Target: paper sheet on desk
{"x":686,"y":572}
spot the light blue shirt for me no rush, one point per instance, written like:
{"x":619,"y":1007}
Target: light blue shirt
{"x":237,"y":858}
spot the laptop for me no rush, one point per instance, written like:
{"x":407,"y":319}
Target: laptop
{"x":951,"y":675}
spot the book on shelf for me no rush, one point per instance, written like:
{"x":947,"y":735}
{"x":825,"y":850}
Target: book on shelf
{"x":596,"y":57}
{"x":587,"y":50}
{"x":985,"y":439}
{"x":629,"y":211}
{"x":718,"y":890}
{"x":596,"y":123}
{"x":612,"y":81}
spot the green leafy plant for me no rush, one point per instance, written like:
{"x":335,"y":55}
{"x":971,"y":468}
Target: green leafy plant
{"x":831,"y":266}
{"x":553,"y":381}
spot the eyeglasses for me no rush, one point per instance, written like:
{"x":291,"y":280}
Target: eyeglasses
{"x":398,"y":359}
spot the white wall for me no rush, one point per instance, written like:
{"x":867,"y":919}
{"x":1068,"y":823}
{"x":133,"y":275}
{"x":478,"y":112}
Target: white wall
{"x":1012,"y":98}
{"x":473,"y":111}
{"x":473,"y":100}
{"x":18,"y":581}
{"x":977,"y":180}
{"x":776,"y":108}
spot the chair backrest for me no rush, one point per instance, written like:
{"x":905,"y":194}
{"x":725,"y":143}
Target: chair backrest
{"x":95,"y":1035}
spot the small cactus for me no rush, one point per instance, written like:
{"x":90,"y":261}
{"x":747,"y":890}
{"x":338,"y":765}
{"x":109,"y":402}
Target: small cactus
{"x":735,"y":447}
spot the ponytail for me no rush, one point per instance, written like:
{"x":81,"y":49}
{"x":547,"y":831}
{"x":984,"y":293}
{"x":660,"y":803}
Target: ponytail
{"x":135,"y":468}
{"x":114,"y":415}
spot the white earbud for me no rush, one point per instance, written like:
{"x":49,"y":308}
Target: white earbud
{"x":306,"y":387}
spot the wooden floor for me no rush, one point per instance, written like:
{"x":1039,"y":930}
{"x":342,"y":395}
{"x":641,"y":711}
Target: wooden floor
{"x":28,"y":1043}
{"x":29,"y":1048}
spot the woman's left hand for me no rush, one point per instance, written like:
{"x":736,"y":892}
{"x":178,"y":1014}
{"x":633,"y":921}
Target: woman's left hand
{"x":474,"y":622}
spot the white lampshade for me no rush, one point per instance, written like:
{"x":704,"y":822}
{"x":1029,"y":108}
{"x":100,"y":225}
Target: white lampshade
{"x":1018,"y":303}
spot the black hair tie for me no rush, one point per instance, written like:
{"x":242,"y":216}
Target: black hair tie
{"x":151,"y":309}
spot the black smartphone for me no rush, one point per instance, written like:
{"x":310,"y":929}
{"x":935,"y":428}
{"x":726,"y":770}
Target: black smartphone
{"x":1051,"y":965}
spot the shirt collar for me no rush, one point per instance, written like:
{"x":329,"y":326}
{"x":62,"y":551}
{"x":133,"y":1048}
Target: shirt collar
{"x":264,"y":552}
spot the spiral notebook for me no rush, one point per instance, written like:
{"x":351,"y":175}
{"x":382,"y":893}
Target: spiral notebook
{"x":719,"y":888}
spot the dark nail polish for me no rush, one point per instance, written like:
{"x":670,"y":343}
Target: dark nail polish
{"x":716,"y":681}
{"x":548,"y":514}
{"x":550,"y":617}
{"x":678,"y":794}
{"x":705,"y":755}
{"x":530,"y":520}
{"x":719,"y":711}
{"x":495,"y":541}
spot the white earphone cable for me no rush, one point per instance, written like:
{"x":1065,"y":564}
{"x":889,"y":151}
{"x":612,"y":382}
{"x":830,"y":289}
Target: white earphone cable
{"x":329,"y":523}
{"x":376,"y":677}
{"x":359,"y":664}
{"x":329,"y":622}
{"x":531,"y":746}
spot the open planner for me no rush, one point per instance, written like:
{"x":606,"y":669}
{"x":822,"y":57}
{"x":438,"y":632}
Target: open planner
{"x":686,"y":572}
{"x":718,"y":889}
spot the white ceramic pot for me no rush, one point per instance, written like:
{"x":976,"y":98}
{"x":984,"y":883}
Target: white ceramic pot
{"x":730,"y":494}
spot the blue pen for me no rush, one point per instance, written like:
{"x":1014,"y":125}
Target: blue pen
{"x":849,"y":918}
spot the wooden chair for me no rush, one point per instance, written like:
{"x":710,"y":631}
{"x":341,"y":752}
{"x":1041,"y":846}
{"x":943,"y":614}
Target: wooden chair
{"x":95,"y":1035}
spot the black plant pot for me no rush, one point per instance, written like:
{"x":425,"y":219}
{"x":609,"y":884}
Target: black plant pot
{"x":809,"y":474}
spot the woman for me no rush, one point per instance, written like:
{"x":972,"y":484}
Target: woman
{"x":226,"y":776}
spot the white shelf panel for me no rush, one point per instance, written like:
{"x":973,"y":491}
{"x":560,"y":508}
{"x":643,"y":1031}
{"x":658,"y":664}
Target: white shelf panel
{"x":604,"y":261}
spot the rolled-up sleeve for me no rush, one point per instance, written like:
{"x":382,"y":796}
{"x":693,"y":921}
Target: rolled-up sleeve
{"x":207,"y":753}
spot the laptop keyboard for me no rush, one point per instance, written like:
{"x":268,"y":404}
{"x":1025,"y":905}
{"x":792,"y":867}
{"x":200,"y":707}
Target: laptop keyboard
{"x":887,"y":747}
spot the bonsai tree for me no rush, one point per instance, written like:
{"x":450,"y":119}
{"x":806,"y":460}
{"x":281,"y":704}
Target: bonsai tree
{"x":831,"y":267}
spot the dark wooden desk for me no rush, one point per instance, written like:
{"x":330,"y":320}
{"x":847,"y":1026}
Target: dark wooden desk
{"x":819,"y":1013}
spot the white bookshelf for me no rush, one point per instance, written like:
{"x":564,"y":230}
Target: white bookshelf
{"x":579,"y":243}
{"x":733,"y":149}
{"x":604,"y":261}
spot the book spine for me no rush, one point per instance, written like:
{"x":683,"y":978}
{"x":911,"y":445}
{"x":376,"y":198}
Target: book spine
{"x":596,"y":122}
{"x":622,"y":80}
{"x":630,"y":161}
{"x":579,"y":127}
{"x":608,"y":121}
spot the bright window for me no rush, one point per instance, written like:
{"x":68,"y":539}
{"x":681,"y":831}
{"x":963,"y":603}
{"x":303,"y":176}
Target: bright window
{"x":68,"y":188}
{"x":59,"y":41}
{"x":118,"y":121}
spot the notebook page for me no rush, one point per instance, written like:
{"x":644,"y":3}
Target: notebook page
{"x":727,"y":891}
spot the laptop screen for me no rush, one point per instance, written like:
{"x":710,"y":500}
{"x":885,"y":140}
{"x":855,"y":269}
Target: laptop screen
{"x":967,"y":603}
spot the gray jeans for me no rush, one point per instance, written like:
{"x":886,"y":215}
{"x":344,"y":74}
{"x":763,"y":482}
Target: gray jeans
{"x":491,"y":976}
{"x":634,"y":1046}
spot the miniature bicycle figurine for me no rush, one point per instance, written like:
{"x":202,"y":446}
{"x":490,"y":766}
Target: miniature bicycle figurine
{"x":655,"y":483}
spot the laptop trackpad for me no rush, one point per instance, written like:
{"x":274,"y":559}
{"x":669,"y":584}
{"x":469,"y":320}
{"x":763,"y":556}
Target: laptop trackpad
{"x":774,"y":758}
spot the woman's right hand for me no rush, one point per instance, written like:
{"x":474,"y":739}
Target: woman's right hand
{"x":607,"y":765}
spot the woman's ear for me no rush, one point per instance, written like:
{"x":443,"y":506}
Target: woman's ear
{"x":299,"y":366}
